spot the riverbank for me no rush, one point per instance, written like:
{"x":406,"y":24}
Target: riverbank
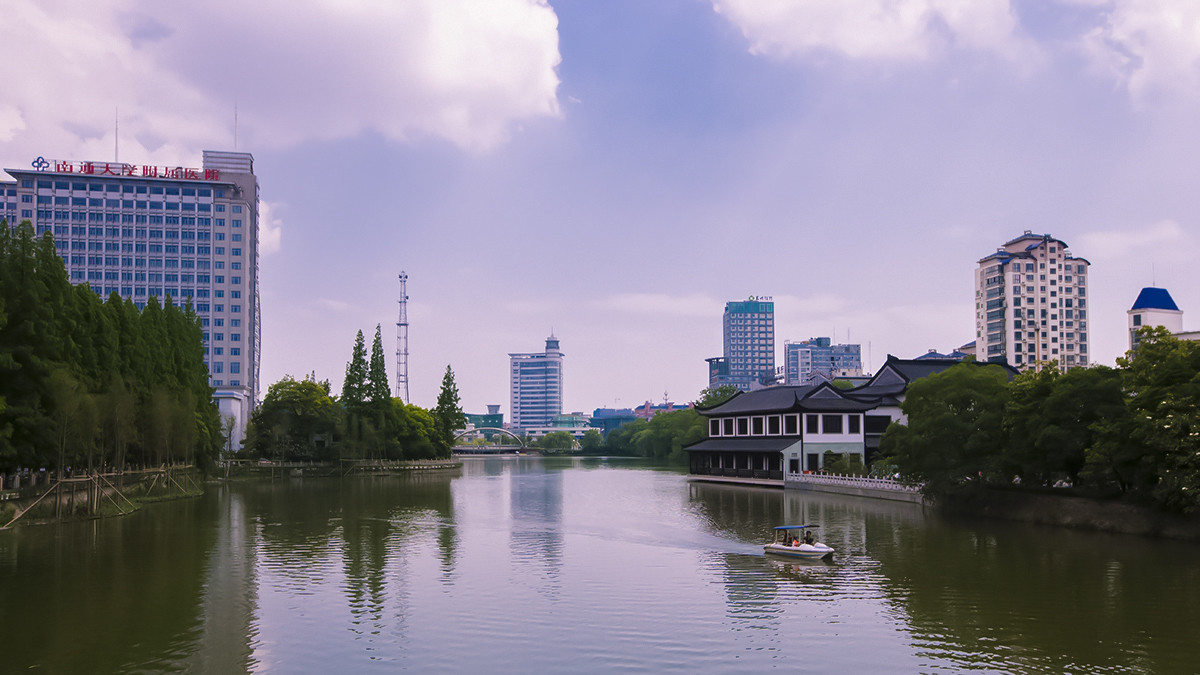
{"x":246,"y":469}
{"x":97,"y":496}
{"x":1080,"y":513}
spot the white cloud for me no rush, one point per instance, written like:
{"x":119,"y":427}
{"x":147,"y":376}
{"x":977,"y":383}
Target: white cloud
{"x":270,"y":229}
{"x":1149,"y":46}
{"x":1165,"y":238}
{"x":874,"y":29}
{"x":459,"y":70}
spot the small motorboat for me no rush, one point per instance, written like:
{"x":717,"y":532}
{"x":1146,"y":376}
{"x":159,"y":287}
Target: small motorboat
{"x":793,"y":541}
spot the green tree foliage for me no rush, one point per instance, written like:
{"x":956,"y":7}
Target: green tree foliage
{"x":662,"y":437}
{"x":306,"y":416}
{"x":1133,"y":430}
{"x":120,"y":360}
{"x":301,"y":421}
{"x":378,"y":391}
{"x":955,"y":431}
{"x":557,"y":442}
{"x":592,"y":442}
{"x":714,"y":396}
{"x":448,"y":414}
{"x":354,"y":387}
{"x":1051,"y":420}
{"x":1154,"y":450}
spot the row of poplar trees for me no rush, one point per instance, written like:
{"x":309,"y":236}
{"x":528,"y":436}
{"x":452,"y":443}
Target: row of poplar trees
{"x":87,"y":383}
{"x":301,"y":420}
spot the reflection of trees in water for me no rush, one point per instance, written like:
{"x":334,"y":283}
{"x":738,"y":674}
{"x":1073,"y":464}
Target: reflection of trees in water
{"x":536,"y":508}
{"x":115,"y":595}
{"x":366,"y":525}
{"x":1045,"y":599}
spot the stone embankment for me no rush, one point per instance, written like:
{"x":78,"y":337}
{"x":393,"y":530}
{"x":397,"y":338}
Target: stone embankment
{"x":1082,"y":513}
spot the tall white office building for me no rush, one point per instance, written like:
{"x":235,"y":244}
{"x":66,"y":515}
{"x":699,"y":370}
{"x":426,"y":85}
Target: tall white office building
{"x":1031,"y":303}
{"x":142,"y":230}
{"x":536,"y":386}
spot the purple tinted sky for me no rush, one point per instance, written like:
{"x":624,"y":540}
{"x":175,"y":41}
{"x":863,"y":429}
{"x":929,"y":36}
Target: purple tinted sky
{"x":615,"y":171}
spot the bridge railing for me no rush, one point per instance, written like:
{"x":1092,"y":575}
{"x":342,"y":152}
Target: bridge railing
{"x":852,"y":481}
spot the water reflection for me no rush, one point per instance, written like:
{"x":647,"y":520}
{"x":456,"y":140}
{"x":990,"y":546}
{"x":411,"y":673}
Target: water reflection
{"x":580,"y":565}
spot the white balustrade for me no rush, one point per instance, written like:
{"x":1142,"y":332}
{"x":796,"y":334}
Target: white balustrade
{"x":852,"y":481}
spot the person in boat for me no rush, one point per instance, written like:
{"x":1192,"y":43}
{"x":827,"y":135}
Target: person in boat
{"x":808,"y":538}
{"x":795,"y":541}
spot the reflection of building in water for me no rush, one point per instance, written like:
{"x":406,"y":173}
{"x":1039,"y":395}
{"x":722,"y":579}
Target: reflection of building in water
{"x":536,"y":505}
{"x":230,"y":600}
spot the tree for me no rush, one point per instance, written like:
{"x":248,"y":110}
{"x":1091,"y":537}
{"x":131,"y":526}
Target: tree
{"x":354,"y":387}
{"x":1154,"y":450}
{"x":592,"y":442}
{"x":1051,"y":419}
{"x":447,"y":414}
{"x":300,"y":418}
{"x":378,"y":391}
{"x":557,"y":441}
{"x":955,"y":432}
{"x":713,"y":396}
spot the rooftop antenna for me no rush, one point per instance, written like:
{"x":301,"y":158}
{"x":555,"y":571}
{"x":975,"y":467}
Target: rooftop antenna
{"x":402,"y":341}
{"x":1153,"y":279}
{"x":116,"y":135}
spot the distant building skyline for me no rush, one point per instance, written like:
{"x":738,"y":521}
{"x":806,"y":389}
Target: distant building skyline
{"x":805,"y":358}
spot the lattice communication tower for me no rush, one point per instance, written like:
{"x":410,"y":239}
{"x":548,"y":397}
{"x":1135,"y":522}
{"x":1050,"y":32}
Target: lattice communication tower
{"x":402,"y":342}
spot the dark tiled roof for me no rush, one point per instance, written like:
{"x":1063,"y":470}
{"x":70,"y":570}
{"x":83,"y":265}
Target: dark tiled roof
{"x":743,"y":444}
{"x":1155,"y":298}
{"x":771,"y":399}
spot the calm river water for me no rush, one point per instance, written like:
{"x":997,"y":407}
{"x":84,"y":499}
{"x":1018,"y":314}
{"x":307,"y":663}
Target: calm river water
{"x":580,"y":565}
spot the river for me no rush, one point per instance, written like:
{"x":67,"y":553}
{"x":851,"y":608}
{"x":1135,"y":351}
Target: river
{"x":580,"y":565}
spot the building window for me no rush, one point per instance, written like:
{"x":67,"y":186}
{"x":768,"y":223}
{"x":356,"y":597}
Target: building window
{"x":727,"y":426}
{"x":773,"y":425}
{"x":743,"y":426}
{"x":757,"y":426}
{"x":791,"y":425}
{"x":714,"y":427}
{"x":812,"y":424}
{"x":831,"y":424}
{"x":854,"y":424}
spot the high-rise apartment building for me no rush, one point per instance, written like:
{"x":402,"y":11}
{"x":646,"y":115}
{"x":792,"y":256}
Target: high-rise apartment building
{"x":536,"y":385}
{"x":1031,"y":304}
{"x":804,"y":359}
{"x":749,"y":344}
{"x":143,"y":230}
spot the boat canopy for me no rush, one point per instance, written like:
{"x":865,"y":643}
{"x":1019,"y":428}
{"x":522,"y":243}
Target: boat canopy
{"x":796,"y":527}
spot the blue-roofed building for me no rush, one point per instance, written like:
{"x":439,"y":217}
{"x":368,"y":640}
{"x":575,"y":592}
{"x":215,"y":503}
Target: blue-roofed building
{"x":1153,"y":307}
{"x":1031,"y":299}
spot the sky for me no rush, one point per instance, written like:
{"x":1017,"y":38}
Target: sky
{"x":614,"y":172}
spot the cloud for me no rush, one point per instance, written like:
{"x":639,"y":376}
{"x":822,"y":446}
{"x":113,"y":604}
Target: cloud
{"x":270,"y":229}
{"x":1165,"y":237}
{"x":1148,"y":46}
{"x":910,"y":30}
{"x":463,"y":71}
{"x":661,"y":304}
